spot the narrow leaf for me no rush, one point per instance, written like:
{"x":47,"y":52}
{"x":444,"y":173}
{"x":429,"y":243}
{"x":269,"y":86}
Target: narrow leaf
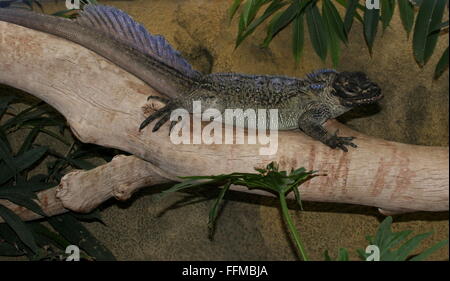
{"x":4,"y":104}
{"x":77,"y":234}
{"x":22,"y":200}
{"x":19,"y":227}
{"x":233,"y":8}
{"x":215,"y":209}
{"x":282,"y":20}
{"x":26,"y":145}
{"x":5,"y":156}
{"x":298,"y":36}
{"x":405,"y":250}
{"x":387,"y":11}
{"x":334,"y":20}
{"x":317,"y":31}
{"x":350,"y":13}
{"x":406,"y":14}
{"x":436,"y":19}
{"x":371,"y":17}
{"x":429,"y":251}
{"x":273,"y":7}
{"x":343,"y":255}
{"x":442,"y":65}
{"x":333,"y":40}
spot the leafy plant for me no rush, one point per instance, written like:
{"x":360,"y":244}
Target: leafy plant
{"x":328,"y":30}
{"x":269,"y":179}
{"x":393,"y":246}
{"x":281,"y":184}
{"x":19,"y":186}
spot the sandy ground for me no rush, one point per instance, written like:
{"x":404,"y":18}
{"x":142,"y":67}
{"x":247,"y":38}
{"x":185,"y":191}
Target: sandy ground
{"x":414,"y":110}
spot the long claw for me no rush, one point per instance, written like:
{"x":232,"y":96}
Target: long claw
{"x":161,"y":122}
{"x":161,"y":99}
{"x":341,"y":146}
{"x":172,"y":124}
{"x":154,"y":116}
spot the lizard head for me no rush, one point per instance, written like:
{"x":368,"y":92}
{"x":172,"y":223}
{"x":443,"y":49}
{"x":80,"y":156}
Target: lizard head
{"x":355,"y":88}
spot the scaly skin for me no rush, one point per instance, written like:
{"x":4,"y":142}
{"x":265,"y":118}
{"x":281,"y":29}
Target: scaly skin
{"x":305,"y":104}
{"x":302,"y":103}
{"x":162,"y":77}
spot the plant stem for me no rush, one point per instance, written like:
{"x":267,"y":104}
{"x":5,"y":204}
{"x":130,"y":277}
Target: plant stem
{"x":292,"y":229}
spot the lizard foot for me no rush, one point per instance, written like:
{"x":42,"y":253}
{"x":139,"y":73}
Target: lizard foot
{"x":340,"y":142}
{"x":163,"y":114}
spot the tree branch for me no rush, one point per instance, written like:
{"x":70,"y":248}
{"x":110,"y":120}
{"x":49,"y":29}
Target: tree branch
{"x":105,"y":105}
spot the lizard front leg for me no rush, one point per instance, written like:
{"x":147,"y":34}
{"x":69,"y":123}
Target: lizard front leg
{"x":311,"y":122}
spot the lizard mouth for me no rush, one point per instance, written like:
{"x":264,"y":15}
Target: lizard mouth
{"x":366,"y":96}
{"x":354,"y":88}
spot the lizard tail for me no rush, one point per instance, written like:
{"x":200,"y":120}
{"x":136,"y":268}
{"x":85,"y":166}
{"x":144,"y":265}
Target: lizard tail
{"x":113,"y":34}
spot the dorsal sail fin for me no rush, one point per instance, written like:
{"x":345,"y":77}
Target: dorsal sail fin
{"x":120,"y":26}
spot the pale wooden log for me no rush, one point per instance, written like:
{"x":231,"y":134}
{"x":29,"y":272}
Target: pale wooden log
{"x":46,"y":199}
{"x":104,"y":105}
{"x":83,"y":191}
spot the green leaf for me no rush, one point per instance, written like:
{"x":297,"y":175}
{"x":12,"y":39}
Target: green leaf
{"x":233,"y":8}
{"x":6,"y":156}
{"x":282,"y":20}
{"x":442,"y":65}
{"x":273,"y":7}
{"x":298,"y":36}
{"x":350,"y":14}
{"x":4,"y":104}
{"x":387,"y":11}
{"x":77,"y":234}
{"x":406,"y":14}
{"x":29,"y":157}
{"x":25,"y":115}
{"x":215,"y":209}
{"x":335,"y":23}
{"x":19,"y":228}
{"x":26,"y":145}
{"x":42,"y":231}
{"x":439,"y":27}
{"x":343,"y":255}
{"x":362,"y":254}
{"x":92,"y":216}
{"x":9,"y":250}
{"x":326,"y":256}
{"x":383,"y":232}
{"x":298,"y":199}
{"x":405,"y":250}
{"x":333,"y":40}
{"x":22,"y":200}
{"x":429,"y":251}
{"x":317,"y":31}
{"x":371,"y":17}
{"x":250,"y":9}
{"x":22,"y":162}
{"x":429,"y":18}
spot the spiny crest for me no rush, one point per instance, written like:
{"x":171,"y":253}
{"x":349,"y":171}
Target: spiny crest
{"x":319,"y":78}
{"x":318,"y":73}
{"x":120,"y":26}
{"x":317,"y":86}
